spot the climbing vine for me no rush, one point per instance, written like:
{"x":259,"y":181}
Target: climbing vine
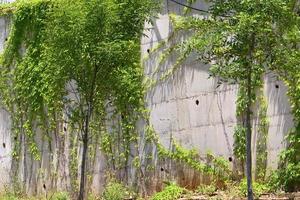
{"x":287,"y":176}
{"x":262,"y":139}
{"x":214,"y":167}
{"x":259,"y":102}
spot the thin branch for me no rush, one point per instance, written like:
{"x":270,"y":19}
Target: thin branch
{"x":190,"y":7}
{"x":196,"y":9}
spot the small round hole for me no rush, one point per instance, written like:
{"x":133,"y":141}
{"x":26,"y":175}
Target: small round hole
{"x":44,"y":186}
{"x":230,"y":159}
{"x":162,"y":169}
{"x":276,"y":86}
{"x":15,"y":138}
{"x":5,"y":39}
{"x":148,"y":50}
{"x":197,"y":102}
{"x":65,"y":129}
{"x":4,"y":145}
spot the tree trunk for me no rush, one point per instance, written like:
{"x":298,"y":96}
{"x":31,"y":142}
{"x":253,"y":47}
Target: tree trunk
{"x":83,"y":158}
{"x":85,"y":137}
{"x":248,"y":136}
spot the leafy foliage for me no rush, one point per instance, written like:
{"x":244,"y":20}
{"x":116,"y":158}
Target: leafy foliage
{"x":114,"y":191}
{"x":170,"y":192}
{"x":213,"y":166}
{"x":206,"y":189}
{"x":60,"y":196}
{"x":240,"y":142}
{"x":287,"y":177}
{"x":258,"y":188}
{"x":261,"y":149}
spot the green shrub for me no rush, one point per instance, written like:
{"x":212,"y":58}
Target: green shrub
{"x":114,"y":191}
{"x":206,"y":189}
{"x":258,"y":188}
{"x":220,"y":168}
{"x":92,"y":196}
{"x":60,"y":196}
{"x":287,"y":178}
{"x":171,"y":192}
{"x":12,"y":194}
{"x":8,"y":197}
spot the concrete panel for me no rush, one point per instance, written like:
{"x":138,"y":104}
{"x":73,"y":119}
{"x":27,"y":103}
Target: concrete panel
{"x":5,"y":149}
{"x":164,"y":117}
{"x":217,"y":139}
{"x":4,"y":27}
{"x":197,"y":79}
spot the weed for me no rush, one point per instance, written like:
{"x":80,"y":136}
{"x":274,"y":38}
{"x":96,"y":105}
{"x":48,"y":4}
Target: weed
{"x":115,"y":191}
{"x":258,"y":188}
{"x":206,"y":189}
{"x":170,"y":192}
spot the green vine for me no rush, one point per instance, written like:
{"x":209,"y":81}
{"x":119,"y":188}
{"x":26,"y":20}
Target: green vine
{"x":287,"y":176}
{"x":240,"y":130}
{"x":262,"y":139}
{"x":217,"y":168}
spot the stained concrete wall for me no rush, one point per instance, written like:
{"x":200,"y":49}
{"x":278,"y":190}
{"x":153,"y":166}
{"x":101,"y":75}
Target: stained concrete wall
{"x":5,"y":123}
{"x":208,"y":126}
{"x":188,"y":107}
{"x":5,"y":148}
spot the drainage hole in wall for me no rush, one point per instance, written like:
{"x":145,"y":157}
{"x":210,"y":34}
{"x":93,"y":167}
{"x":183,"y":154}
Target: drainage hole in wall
{"x":276,"y":86}
{"x":230,"y":159}
{"x":4,"y":145}
{"x":197,"y":102}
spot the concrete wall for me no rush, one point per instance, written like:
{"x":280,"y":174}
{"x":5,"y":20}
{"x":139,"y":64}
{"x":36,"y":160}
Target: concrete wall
{"x":188,"y":107}
{"x":209,"y":125}
{"x":5,"y":123}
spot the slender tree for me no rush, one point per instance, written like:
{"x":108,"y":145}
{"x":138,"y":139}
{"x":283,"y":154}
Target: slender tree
{"x":89,"y":47}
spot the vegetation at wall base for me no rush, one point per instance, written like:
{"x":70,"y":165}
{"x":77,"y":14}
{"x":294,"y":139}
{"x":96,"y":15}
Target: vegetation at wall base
{"x":170,"y":192}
